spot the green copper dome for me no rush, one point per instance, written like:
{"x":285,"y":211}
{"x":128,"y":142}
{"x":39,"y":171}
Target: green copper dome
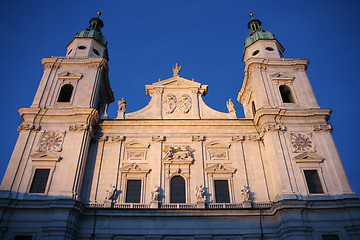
{"x":257,"y":33}
{"x":93,"y":31}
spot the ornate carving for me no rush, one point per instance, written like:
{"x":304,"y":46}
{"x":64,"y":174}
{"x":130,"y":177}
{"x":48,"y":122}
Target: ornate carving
{"x":322,"y":127}
{"x":103,"y":138}
{"x":51,"y":141}
{"x":301,"y":142}
{"x":198,"y":138}
{"x":274,"y":127}
{"x":220,"y":168}
{"x":230,"y":106}
{"x":159,"y":138}
{"x":218,"y":155}
{"x":169,"y":103}
{"x":184,"y":103}
{"x":184,"y":153}
{"x":93,"y":66}
{"x":28,"y":127}
{"x":300,"y":68}
{"x":117,"y":138}
{"x":238,"y":138}
{"x":79,"y":127}
{"x":253,"y":137}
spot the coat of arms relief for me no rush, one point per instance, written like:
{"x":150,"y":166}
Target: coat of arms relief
{"x":170,"y":103}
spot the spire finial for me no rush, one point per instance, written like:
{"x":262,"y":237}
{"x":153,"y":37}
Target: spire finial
{"x":99,"y":12}
{"x":251,"y":14}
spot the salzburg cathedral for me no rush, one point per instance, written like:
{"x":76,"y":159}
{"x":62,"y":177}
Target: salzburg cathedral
{"x":176,"y":169}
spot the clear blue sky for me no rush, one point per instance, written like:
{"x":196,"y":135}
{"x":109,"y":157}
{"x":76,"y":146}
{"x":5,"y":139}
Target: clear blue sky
{"x":205,"y":37}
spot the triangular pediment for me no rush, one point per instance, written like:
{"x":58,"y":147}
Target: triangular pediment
{"x":45,"y":156}
{"x":308,"y":157}
{"x":219,"y":168}
{"x":177,"y":83}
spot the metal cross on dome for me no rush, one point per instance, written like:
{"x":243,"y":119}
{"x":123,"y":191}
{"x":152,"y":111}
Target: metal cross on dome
{"x":99,"y":12}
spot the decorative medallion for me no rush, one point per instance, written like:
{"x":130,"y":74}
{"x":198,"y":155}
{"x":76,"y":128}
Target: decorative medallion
{"x":51,"y":141}
{"x":302,"y":142}
{"x":184,"y":103}
{"x":169,"y":103}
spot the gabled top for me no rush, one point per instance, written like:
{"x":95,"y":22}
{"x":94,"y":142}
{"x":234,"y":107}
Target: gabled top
{"x":257,"y":33}
{"x":93,"y":31}
{"x":176,"y":82}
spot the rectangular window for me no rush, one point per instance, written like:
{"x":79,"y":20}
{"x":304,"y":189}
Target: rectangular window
{"x":222,"y":191}
{"x":313,"y":181}
{"x":330,"y":237}
{"x":133,"y":191}
{"x":39,"y":181}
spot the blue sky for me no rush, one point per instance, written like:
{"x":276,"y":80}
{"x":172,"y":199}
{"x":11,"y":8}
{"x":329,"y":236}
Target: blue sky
{"x":205,"y":37}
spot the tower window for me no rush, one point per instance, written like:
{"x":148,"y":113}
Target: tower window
{"x":286,"y":94}
{"x":96,"y":52}
{"x":133,"y":191}
{"x":177,"y":191}
{"x":222,"y":191}
{"x":269,"y":49}
{"x":255,"y":53}
{"x":39,"y":181}
{"x":65,"y":93}
{"x":81,"y":47}
{"x":313,"y":181}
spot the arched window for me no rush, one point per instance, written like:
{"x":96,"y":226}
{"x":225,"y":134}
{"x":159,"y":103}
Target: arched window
{"x":65,"y":93}
{"x":286,"y":94}
{"x":177,"y":190}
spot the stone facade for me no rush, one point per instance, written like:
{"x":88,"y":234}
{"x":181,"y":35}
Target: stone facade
{"x":282,"y":174}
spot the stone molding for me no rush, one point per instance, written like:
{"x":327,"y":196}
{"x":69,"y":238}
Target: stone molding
{"x":308,"y":157}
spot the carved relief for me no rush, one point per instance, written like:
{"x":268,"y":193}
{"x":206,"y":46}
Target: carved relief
{"x":159,"y":138}
{"x":117,"y":138}
{"x":183,"y":153}
{"x":238,"y":138}
{"x":274,"y":127}
{"x":136,"y":151}
{"x":169,"y":103}
{"x":242,"y":138}
{"x":219,"y":168}
{"x":51,"y":141}
{"x":28,"y":126}
{"x":302,"y":142}
{"x":198,"y":138}
{"x":79,"y":127}
{"x":218,"y":151}
{"x":133,"y":168}
{"x":184,"y":103}
{"x":322,"y":127}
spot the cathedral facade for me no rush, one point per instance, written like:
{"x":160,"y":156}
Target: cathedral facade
{"x":176,"y":169}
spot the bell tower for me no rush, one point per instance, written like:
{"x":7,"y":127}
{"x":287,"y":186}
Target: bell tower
{"x":296,"y":136}
{"x":54,"y":137}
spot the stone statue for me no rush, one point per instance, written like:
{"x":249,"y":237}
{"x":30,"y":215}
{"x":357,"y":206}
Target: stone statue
{"x":122,"y":109}
{"x":111,"y":193}
{"x":122,"y":105}
{"x":245,"y":193}
{"x":200,"y":193}
{"x":230,"y":106}
{"x":176,"y":70}
{"x":155,"y":195}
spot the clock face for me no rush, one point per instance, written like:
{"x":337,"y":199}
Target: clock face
{"x":51,"y":141}
{"x":301,"y":142}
